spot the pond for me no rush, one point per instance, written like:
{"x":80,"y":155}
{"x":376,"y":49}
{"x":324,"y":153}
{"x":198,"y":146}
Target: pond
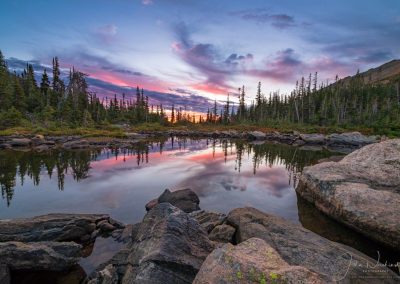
{"x":225,"y":174}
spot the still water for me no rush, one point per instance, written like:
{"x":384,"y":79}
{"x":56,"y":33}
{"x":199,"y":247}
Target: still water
{"x":225,"y":174}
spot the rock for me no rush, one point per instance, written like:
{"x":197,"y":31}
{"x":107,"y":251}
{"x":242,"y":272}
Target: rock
{"x":298,"y":142}
{"x":52,"y":227}
{"x":253,"y":261}
{"x":184,"y":199}
{"x":361,"y":191}
{"x":133,"y":135}
{"x":151,"y":204}
{"x":5,"y":277}
{"x":108,"y":275}
{"x":256,"y":135}
{"x":112,"y":271}
{"x":76,"y":144}
{"x":41,"y":148}
{"x":53,"y":256}
{"x":222,"y":233}
{"x":169,"y":247}
{"x":105,"y":226}
{"x":331,"y":159}
{"x":317,"y":139}
{"x":38,"y":140}
{"x":298,"y":246}
{"x":208,"y":220}
{"x":350,"y":138}
{"x":20,"y":142}
{"x":5,"y":146}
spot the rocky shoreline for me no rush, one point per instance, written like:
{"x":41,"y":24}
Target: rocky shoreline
{"x":344,"y":142}
{"x":177,"y":242}
{"x":361,"y":191}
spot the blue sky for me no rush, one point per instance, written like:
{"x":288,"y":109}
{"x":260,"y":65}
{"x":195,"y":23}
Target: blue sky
{"x":189,"y":52}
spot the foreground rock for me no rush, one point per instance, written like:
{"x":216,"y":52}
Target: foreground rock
{"x":252,"y":261}
{"x":222,"y":233}
{"x":184,"y":199}
{"x":300,"y":247}
{"x":80,"y":228}
{"x":52,"y":256}
{"x":169,"y":247}
{"x":208,"y":220}
{"x":361,"y":191}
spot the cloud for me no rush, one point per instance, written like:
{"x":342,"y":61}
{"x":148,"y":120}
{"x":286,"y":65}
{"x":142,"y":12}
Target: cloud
{"x":262,"y":16}
{"x":190,"y":100}
{"x":283,"y":67}
{"x":147,"y":2}
{"x":206,"y":59}
{"x":106,"y":33}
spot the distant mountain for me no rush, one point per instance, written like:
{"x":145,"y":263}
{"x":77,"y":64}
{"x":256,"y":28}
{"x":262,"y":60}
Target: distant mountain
{"x":383,"y":74}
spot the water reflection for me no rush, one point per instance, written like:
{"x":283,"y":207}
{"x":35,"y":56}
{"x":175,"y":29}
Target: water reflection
{"x":17,"y":166}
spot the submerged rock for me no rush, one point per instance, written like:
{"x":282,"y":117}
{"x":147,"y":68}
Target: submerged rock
{"x":252,"y":261}
{"x":184,"y":199}
{"x":56,"y":227}
{"x":361,"y":191}
{"x":52,"y":256}
{"x":298,"y":246}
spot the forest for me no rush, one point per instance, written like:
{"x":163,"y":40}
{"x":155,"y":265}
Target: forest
{"x":349,"y":104}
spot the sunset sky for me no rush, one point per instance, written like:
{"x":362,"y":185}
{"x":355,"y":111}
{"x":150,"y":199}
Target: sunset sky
{"x":191,"y":52}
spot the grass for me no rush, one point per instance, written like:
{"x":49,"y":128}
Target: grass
{"x":119,"y":132}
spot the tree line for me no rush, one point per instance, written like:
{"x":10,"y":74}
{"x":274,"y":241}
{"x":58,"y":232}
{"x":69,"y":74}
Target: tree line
{"x":346,"y":103}
{"x":55,"y":102}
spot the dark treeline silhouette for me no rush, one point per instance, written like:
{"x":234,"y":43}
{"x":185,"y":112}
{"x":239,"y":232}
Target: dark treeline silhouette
{"x":55,"y":102}
{"x":346,"y":103}
{"x":19,"y":165}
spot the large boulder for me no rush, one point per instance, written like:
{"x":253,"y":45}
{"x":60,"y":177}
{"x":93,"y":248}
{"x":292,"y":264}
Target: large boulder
{"x":355,"y":139}
{"x":297,"y":246}
{"x":53,"y":256}
{"x":80,"y":228}
{"x":168,"y":247}
{"x":252,"y":261}
{"x":361,"y":191}
{"x":184,"y":199}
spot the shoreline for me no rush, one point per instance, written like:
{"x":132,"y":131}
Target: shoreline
{"x":336,"y":142}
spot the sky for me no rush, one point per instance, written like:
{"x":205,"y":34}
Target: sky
{"x":192,"y":52}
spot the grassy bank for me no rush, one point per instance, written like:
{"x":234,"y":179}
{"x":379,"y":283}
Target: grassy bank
{"x":118,"y":131}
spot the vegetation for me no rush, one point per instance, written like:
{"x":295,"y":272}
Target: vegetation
{"x":58,"y":107}
{"x":345,"y":104}
{"x":56,"y":104}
